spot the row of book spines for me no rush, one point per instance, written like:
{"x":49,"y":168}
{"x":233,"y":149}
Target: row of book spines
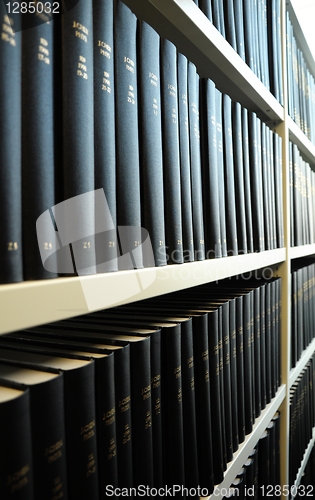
{"x":262,"y":468}
{"x":302,"y":312}
{"x":301,"y":86}
{"x":226,"y":357}
{"x":302,"y":417}
{"x":174,"y":219}
{"x":236,"y":355}
{"x":241,"y":23}
{"x":302,"y":190}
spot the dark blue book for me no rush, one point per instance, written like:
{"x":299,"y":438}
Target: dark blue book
{"x":78,"y":218}
{"x":11,"y":268}
{"x":38,"y":147}
{"x":127,"y":140}
{"x":184,"y":149}
{"x":15,"y":417}
{"x":195,"y":161}
{"x":151,"y":167}
{"x":238,"y":153}
{"x":206,"y":7}
{"x":247,"y":188}
{"x":257,"y":206}
{"x":239,"y":28}
{"x":104,"y":132}
{"x":210,"y":169}
{"x":248,"y":33}
{"x":229,"y":19}
{"x":221,"y":175}
{"x":171,"y":157}
{"x":229,"y":178}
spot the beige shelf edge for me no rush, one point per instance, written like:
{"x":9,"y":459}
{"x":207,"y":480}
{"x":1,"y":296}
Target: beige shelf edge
{"x":28,"y":304}
{"x":306,"y":355}
{"x":302,"y":251}
{"x":306,"y":147}
{"x":241,"y":455}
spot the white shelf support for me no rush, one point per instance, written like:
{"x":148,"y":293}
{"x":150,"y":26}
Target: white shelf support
{"x":241,"y":455}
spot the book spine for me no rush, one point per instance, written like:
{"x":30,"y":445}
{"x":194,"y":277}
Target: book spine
{"x":231,"y":225}
{"x":151,"y":141}
{"x":229,"y":20}
{"x":127,"y":140}
{"x":240,"y":368}
{"x":78,"y":137}
{"x":234,"y":382}
{"x":123,"y":422}
{"x":239,"y":178}
{"x":247,"y":188}
{"x":16,"y":469}
{"x":185,"y":175}
{"x":215,"y":396}
{"x":140,"y":366}
{"x":255,"y":184}
{"x":210,"y":170}
{"x":189,"y":406}
{"x":157,"y":408}
{"x":257,"y":350}
{"x":227,"y":380}
{"x":248,"y":34}
{"x":267,"y":194}
{"x":104,"y":132}
{"x":11,"y":269}
{"x":203,"y":404}
{"x":239,"y":28}
{"x":195,"y":161}
{"x":248,"y":365}
{"x":174,"y":468}
{"x":222,"y":200}
{"x":171,"y":157}
{"x":263,"y":345}
{"x":106,"y":422}
{"x":38,"y":159}
{"x":206,"y":7}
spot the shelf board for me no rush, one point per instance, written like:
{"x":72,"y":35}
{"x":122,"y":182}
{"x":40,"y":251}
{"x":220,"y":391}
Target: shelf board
{"x":304,"y":461}
{"x":298,"y":137}
{"x":32,"y":303}
{"x":302,"y":251}
{"x":306,"y":355}
{"x":241,"y":455}
{"x":182,"y":22}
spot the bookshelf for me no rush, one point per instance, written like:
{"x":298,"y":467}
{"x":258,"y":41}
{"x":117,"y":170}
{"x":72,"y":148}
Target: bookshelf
{"x":35,"y":303}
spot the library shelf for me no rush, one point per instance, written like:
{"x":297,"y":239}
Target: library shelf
{"x":28,"y":304}
{"x":302,"y":251}
{"x":306,"y":456}
{"x":241,"y":455}
{"x":306,"y":355}
{"x":298,"y":137}
{"x":182,"y":22}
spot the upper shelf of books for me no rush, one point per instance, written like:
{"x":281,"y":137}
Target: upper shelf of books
{"x":183,"y":23}
{"x":31,"y":303}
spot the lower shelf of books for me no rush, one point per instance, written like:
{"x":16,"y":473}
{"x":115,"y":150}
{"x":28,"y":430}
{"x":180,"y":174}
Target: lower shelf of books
{"x":248,"y":445}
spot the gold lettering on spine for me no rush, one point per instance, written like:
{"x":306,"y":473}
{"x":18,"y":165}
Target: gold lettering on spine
{"x":7,"y":34}
{"x":87,"y":431}
{"x":111,"y":449}
{"x":18,"y":479}
{"x":91,"y":465}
